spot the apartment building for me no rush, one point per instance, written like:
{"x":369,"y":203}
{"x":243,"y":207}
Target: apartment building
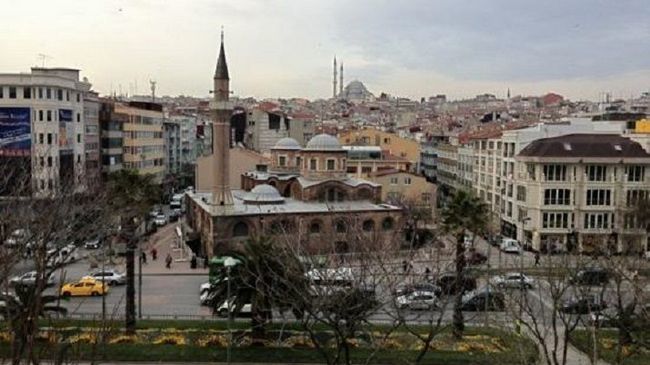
{"x":265,"y":126}
{"x":302,"y":127}
{"x":447,"y":172}
{"x":172,"y":138}
{"x":111,"y":137}
{"x":405,"y":188}
{"x":579,"y":191}
{"x":92,"y":106}
{"x":42,"y":127}
{"x":366,"y":160}
{"x":427,"y":165}
{"x":394,"y":144}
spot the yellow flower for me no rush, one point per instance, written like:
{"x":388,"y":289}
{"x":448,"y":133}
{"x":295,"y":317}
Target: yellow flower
{"x":123,"y":339}
{"x":297,"y":341}
{"x":213,"y":340}
{"x":170,"y":340}
{"x":5,"y":337}
{"x":85,"y":337}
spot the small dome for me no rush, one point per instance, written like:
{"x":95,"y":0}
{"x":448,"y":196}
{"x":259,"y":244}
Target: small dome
{"x":263,"y":194}
{"x":323,"y":142}
{"x":287,"y":143}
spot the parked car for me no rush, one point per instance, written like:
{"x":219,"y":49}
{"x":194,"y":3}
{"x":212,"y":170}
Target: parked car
{"x":447,"y":283}
{"x":93,"y":244}
{"x":62,"y":255}
{"x":160,"y":219}
{"x":405,"y":289}
{"x":482,"y":300}
{"x":583,"y":305}
{"x":422,"y":300}
{"x":29,"y":278}
{"x":222,"y":311}
{"x":638,"y":317}
{"x":513,"y":280}
{"x":84,"y":287}
{"x":204,"y":288}
{"x":509,"y":245}
{"x":16,"y":238}
{"x":174,"y":214}
{"x":112,"y":277}
{"x":591,"y":276}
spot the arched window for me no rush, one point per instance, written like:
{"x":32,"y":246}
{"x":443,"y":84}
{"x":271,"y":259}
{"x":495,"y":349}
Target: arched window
{"x":387,"y":223}
{"x":240,"y":230}
{"x":368,"y":225}
{"x":340,"y":226}
{"x":314,"y":227}
{"x":364,"y":194}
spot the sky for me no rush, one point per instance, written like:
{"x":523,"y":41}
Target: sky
{"x":284,"y":48}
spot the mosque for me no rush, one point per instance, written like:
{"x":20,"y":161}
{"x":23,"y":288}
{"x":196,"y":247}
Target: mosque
{"x":304,"y":195}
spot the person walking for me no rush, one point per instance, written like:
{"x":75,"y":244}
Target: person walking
{"x":168,"y":261}
{"x":144,"y":257}
{"x":536,"y":258}
{"x":154,"y":254}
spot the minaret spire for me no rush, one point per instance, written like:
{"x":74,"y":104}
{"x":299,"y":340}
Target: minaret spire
{"x":334,"y":79}
{"x":341,"y":80}
{"x":221,"y":112}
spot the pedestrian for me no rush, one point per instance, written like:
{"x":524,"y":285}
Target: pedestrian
{"x":193,"y":262}
{"x":168,"y":261}
{"x":536,"y":258}
{"x":144,"y":257}
{"x":205,"y":262}
{"x":154,"y":254}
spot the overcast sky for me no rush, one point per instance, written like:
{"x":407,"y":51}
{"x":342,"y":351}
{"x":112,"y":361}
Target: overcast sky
{"x":414,"y":48}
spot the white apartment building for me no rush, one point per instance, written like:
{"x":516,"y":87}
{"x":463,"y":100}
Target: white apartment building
{"x":580,"y":190}
{"x":42,"y":129}
{"x":264,"y":129}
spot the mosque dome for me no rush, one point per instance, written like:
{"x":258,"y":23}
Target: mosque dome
{"x":287,"y":143}
{"x":356,"y":90}
{"x":263,"y":194}
{"x":323,"y":142}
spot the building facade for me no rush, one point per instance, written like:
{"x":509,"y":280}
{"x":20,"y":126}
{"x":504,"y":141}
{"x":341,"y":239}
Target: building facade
{"x":394,"y":144}
{"x":42,"y":128}
{"x":265,"y":127}
{"x":172,"y":138}
{"x":92,"y":106}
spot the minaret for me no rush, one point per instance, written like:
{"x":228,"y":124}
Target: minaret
{"x":341,"y":80}
{"x":221,"y":112}
{"x":334,"y":80}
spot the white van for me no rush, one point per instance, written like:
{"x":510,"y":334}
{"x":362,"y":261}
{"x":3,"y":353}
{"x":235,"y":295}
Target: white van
{"x":509,"y":245}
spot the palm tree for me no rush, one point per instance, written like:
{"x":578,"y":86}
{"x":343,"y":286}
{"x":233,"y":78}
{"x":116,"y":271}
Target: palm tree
{"x":465,"y":213}
{"x":21,"y":312}
{"x":131,"y":196}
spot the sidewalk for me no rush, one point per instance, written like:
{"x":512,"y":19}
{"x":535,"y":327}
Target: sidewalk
{"x":165,"y":241}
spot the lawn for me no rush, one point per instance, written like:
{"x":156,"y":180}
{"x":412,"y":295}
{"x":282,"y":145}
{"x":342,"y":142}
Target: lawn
{"x":199,"y":343}
{"x":607,"y":349}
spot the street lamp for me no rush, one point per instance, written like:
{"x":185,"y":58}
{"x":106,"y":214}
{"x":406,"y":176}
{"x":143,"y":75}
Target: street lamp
{"x":229,"y":262}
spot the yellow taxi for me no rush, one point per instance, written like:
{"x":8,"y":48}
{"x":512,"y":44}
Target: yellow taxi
{"x":84,"y":287}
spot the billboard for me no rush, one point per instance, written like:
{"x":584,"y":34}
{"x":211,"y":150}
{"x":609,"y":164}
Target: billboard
{"x":66,"y":131}
{"x":15,"y":132}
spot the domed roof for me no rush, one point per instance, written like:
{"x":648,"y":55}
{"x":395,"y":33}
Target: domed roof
{"x":287,"y":143}
{"x":323,"y":142}
{"x":356,"y":90}
{"x":263,"y":194}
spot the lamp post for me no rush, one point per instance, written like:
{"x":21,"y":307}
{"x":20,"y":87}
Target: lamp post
{"x":229,"y":262}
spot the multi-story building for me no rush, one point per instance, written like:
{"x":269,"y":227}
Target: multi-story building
{"x":132,"y":137}
{"x":42,"y":127}
{"x":394,"y":144}
{"x":366,"y":160}
{"x":266,"y":125}
{"x":188,"y":125}
{"x":580,"y":191}
{"x":427,"y":165}
{"x":407,"y":189}
{"x":172,"y":138}
{"x":91,"y":137}
{"x":302,"y":127}
{"x":447,"y":171}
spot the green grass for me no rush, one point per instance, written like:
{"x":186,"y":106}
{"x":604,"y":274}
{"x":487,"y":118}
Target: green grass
{"x":582,"y":339}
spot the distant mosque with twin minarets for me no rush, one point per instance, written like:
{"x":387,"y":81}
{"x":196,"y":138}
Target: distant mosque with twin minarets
{"x":355,"y":91}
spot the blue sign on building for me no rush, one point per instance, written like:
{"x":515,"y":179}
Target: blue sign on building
{"x":15,"y":131}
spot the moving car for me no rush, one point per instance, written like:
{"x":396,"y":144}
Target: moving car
{"x":509,"y":245}
{"x":110,"y":276}
{"x":591,"y":276}
{"x":93,"y":244}
{"x":447,"y":283}
{"x":84,"y":287}
{"x":513,"y":280}
{"x":29,"y":278}
{"x":583,"y":305}
{"x":423,"y":300}
{"x":482,"y":300}
{"x":405,"y":289}
{"x":160,"y":219}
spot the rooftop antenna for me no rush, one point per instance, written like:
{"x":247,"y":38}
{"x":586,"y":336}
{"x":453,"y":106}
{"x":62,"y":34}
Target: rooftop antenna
{"x":153,"y":90}
{"x":43,"y":57}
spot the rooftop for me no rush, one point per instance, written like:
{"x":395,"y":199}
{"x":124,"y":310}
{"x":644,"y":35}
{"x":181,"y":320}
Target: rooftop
{"x":585,"y":145}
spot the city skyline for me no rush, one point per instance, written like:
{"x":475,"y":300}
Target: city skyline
{"x":286,"y":49}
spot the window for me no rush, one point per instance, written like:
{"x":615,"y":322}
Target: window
{"x":596,"y":173}
{"x":557,"y":196}
{"x":387,"y":224}
{"x":78,"y":97}
{"x":40,"y":138}
{"x":67,"y":95}
{"x":49,"y":138}
{"x":387,"y":140}
{"x":313,"y":164}
{"x":48,"y":93}
{"x":40,"y":93}
{"x":2,"y":92}
{"x":340,"y":226}
{"x":407,"y":181}
{"x":240,"y":230}
{"x":426,"y":197}
{"x":282,"y":161}
{"x":49,"y":116}
{"x":27,"y":93}
{"x":314,"y":227}
{"x":393,"y":181}
{"x":49,"y":161}
{"x":555,"y":172}
{"x":368,"y":225}
{"x":635,"y":196}
{"x":331,"y":164}
{"x":78,"y":138}
{"x":598,"y":220}
{"x":298,"y":161}
{"x":635,"y":173}
{"x":12,"y":92}
{"x":59,"y":94}
{"x":521,"y":193}
{"x":78,"y":117}
{"x":555,"y":220}
{"x":599,"y":197}
{"x":40,"y":115}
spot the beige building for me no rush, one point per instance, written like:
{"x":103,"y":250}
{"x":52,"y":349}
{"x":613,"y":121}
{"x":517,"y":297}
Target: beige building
{"x":366,"y":160}
{"x":143,"y":144}
{"x":401,"y":187}
{"x":394,"y":144}
{"x":242,"y":160}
